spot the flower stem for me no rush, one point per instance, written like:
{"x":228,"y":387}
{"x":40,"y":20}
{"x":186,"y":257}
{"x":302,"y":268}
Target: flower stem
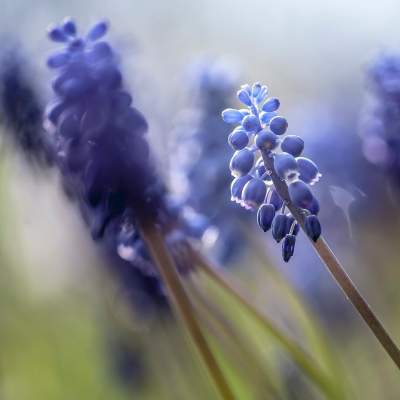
{"x":162,"y":258}
{"x":336,"y":269}
{"x":299,"y":356}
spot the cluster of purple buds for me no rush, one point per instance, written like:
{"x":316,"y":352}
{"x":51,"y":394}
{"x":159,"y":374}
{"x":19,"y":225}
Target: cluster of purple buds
{"x":260,"y":134}
{"x":101,"y":149}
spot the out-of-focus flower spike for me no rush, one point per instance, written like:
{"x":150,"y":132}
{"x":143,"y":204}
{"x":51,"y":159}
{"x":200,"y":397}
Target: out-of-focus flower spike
{"x":293,"y":145}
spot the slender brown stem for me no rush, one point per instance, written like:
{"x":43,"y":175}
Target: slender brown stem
{"x":162,"y":258}
{"x":299,"y":356}
{"x":337,"y":270}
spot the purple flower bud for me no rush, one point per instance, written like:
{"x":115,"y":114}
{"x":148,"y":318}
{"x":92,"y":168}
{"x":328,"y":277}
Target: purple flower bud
{"x":69,"y":26}
{"x":293,"y":145}
{"x":238,"y":139}
{"x":271,"y":105}
{"x":97,"y":31}
{"x":255,"y":90}
{"x":251,"y":123}
{"x":68,"y":125}
{"x":237,"y":186}
{"x":122,"y":100}
{"x":54,"y":110}
{"x":266,"y":140}
{"x":99,"y":52}
{"x":300,"y":194}
{"x":72,"y":88}
{"x":278,"y":125}
{"x":265,"y":117}
{"x":275,"y":199}
{"x":56,"y":34}
{"x":308,"y":170}
{"x":288,"y":247}
{"x":313,"y":207}
{"x":254,"y":193}
{"x":280,"y":227}
{"x":242,"y":162}
{"x":312,"y":227}
{"x":244,"y":97}
{"x":232,"y":116}
{"x":285,"y":165}
{"x":58,"y":60}
{"x":265,"y":216}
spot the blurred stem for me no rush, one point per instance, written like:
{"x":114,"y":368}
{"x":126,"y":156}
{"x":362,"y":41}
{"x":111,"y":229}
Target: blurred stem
{"x":299,"y":356}
{"x":162,"y":258}
{"x":336,"y":269}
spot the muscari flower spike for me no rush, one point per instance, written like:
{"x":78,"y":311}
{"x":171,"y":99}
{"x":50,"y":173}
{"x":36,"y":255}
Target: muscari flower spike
{"x":380,"y":122}
{"x":99,"y":143}
{"x":261,"y":131}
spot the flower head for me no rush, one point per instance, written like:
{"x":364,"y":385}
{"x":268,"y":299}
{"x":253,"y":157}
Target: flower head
{"x":100,"y":146}
{"x":262,"y":138}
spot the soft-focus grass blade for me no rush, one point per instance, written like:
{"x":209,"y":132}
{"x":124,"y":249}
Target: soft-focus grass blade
{"x":252,"y":371}
{"x":308,"y":365}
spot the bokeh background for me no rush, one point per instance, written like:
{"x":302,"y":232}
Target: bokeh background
{"x":65,"y":328}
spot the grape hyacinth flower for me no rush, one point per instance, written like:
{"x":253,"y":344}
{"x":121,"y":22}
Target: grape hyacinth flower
{"x":20,"y":105}
{"x":287,"y":177}
{"x":380,"y":123}
{"x":101,"y":149}
{"x":260,"y":136}
{"x":200,"y":157}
